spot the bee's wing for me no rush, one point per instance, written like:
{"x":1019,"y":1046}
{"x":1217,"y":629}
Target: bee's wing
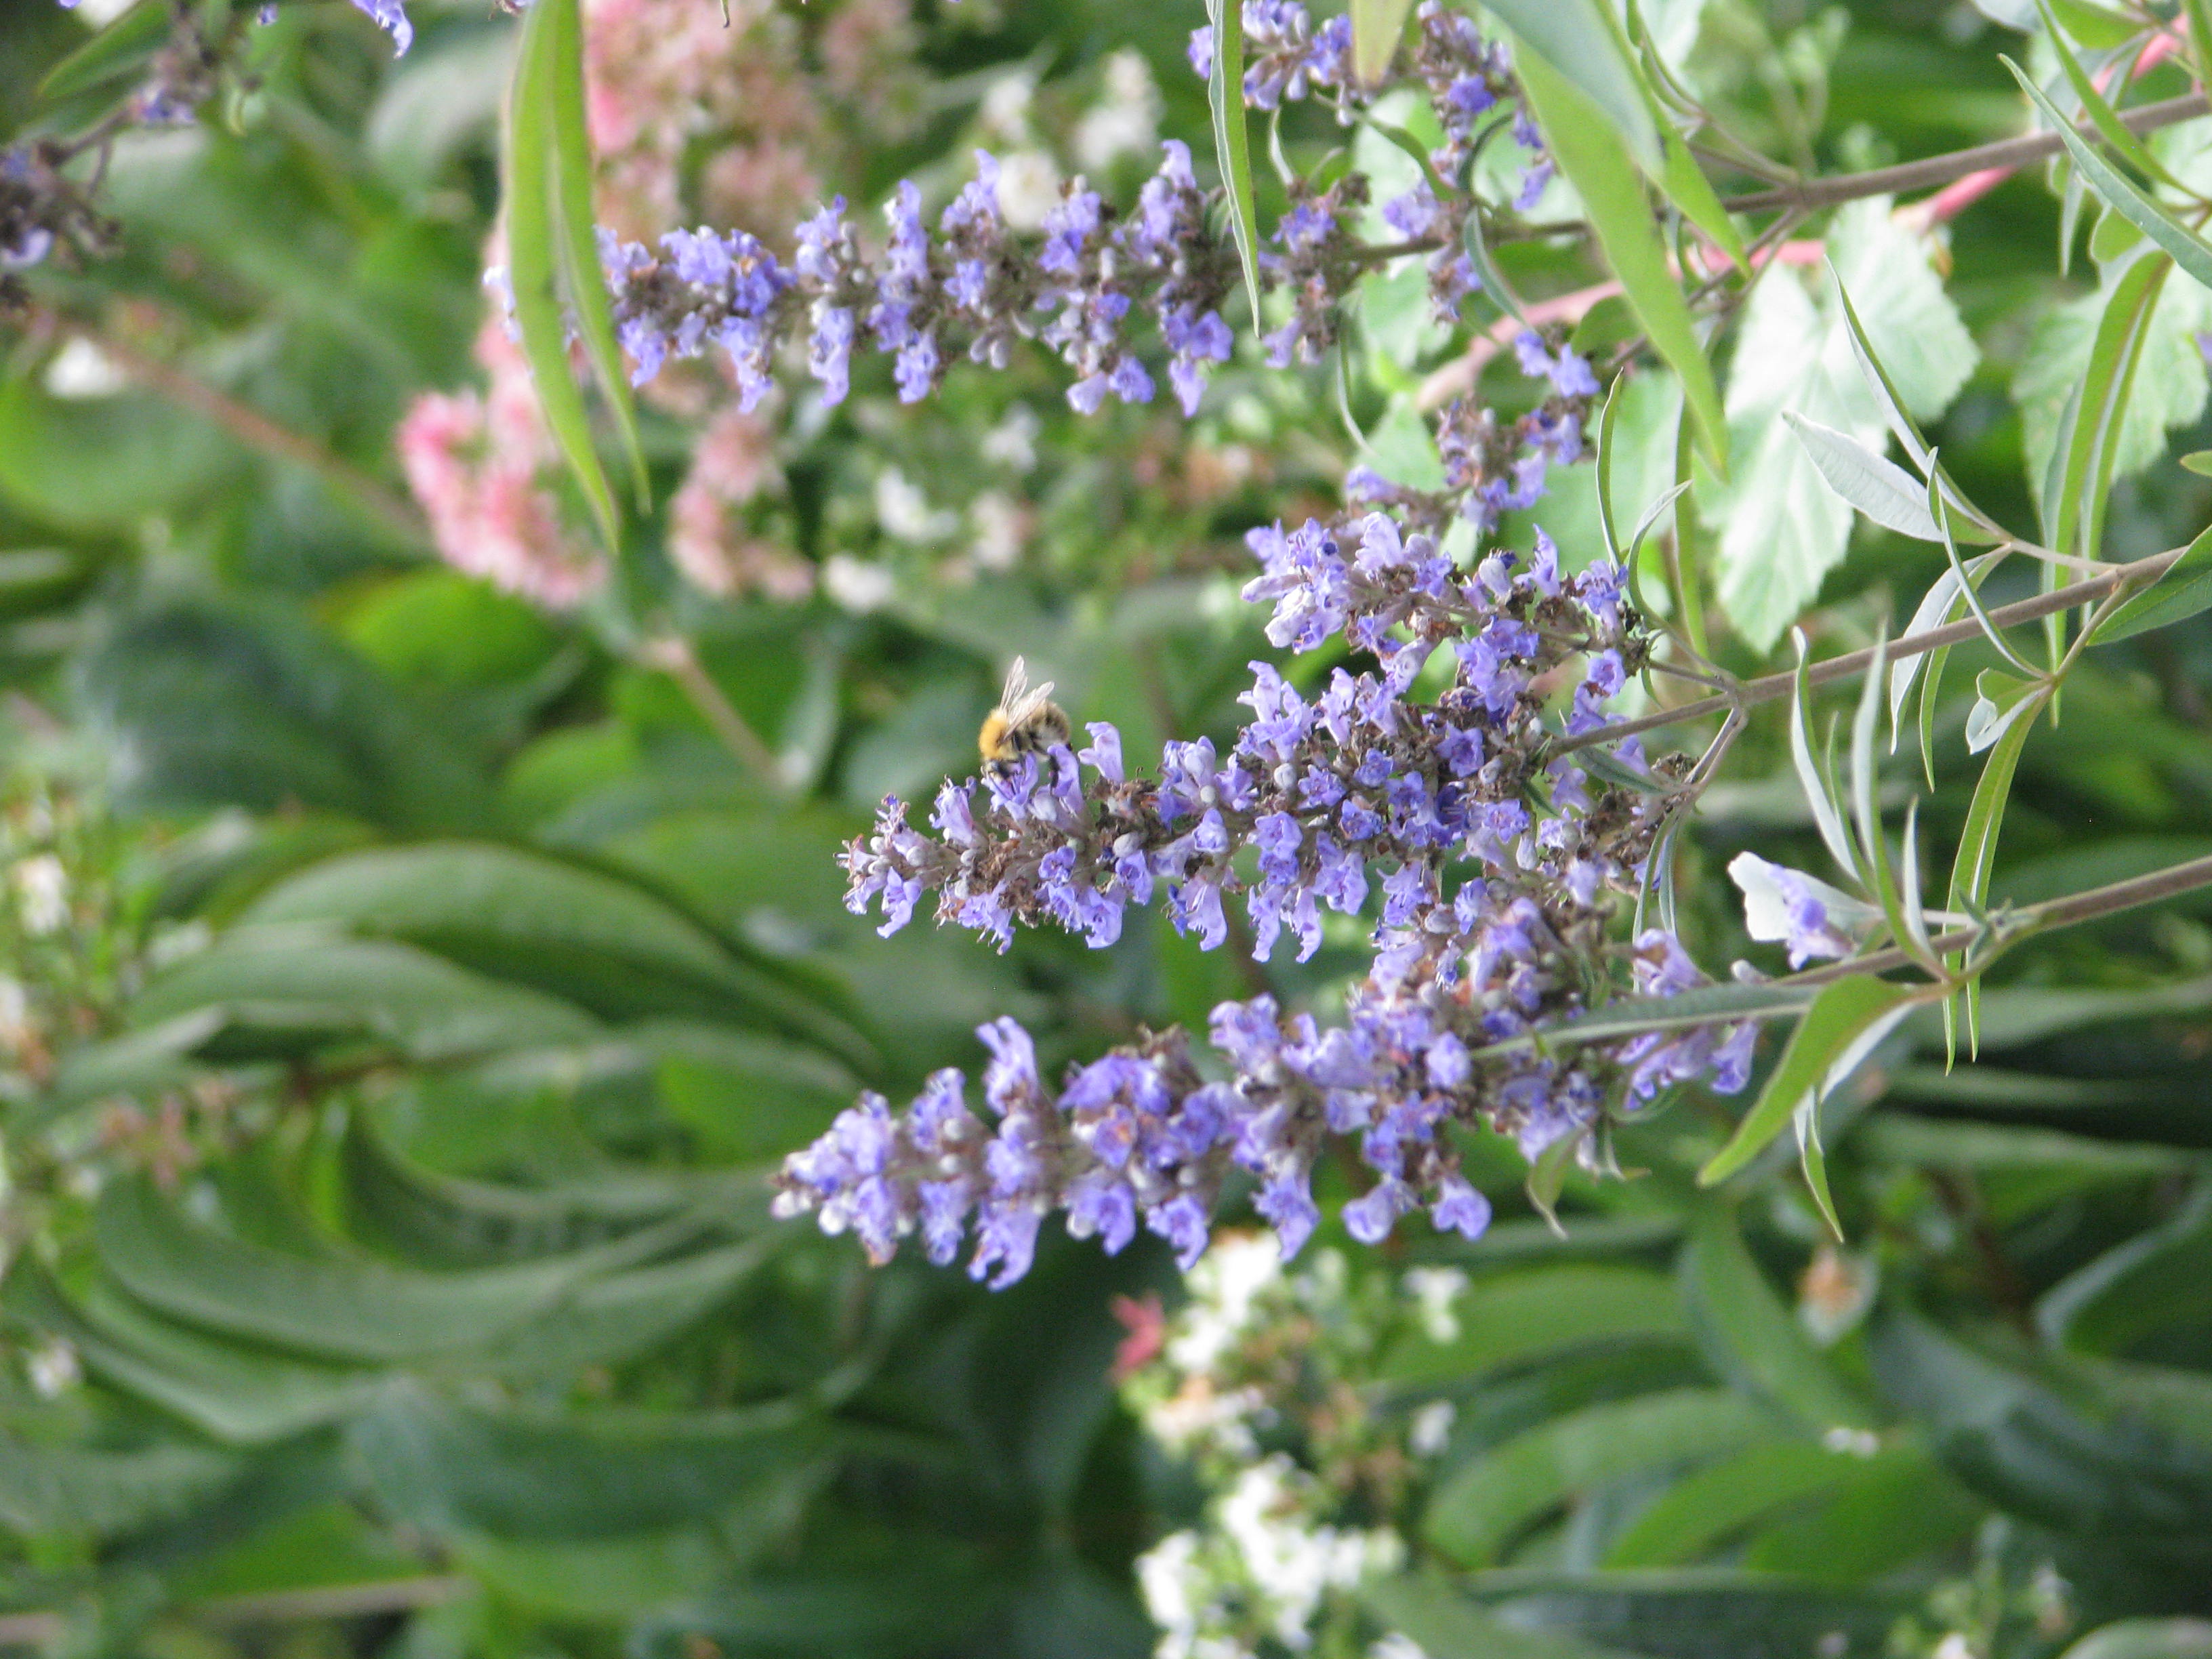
{"x":1020,"y":699}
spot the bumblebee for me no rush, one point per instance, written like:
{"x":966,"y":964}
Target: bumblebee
{"x":1027,"y":721}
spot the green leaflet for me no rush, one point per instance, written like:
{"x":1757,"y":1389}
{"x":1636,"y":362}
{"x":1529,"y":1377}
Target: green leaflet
{"x":1580,"y":41}
{"x":1725,"y":1497}
{"x":63,"y":1490}
{"x":328,"y":1305}
{"x":1750,"y":1336}
{"x":120,"y":49}
{"x":1598,"y":160}
{"x":1535,"y":1314}
{"x":2152,"y":217}
{"x":1839,"y":1019}
{"x":1875,"y":485}
{"x":536,"y":257}
{"x":1978,"y":842}
{"x":1442,"y":1620}
{"x":1375,"y":26}
{"x":2183,"y":590}
{"x":571,"y":1475}
{"x":1232,"y":140}
{"x":2146,"y":1639}
{"x":1480,"y":1510}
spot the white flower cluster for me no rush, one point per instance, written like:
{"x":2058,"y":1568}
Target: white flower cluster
{"x":1272,"y":1564}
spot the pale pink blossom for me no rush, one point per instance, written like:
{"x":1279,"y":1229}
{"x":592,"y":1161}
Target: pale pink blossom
{"x":482,"y":467}
{"x":709,"y":537}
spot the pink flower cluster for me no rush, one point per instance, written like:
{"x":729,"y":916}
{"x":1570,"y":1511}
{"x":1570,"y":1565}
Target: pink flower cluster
{"x":482,"y":465}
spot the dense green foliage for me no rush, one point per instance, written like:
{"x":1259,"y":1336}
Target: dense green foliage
{"x":406,"y":986}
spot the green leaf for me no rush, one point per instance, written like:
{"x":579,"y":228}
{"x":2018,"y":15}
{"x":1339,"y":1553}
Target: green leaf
{"x":1827,"y":816}
{"x":1702,"y":1613}
{"x":1844,"y":1023}
{"x":2109,"y":125}
{"x":590,"y":939}
{"x":240,"y":702}
{"x":2152,"y":217}
{"x":1482,"y":1508}
{"x":237,"y":1392}
{"x":576,"y":247}
{"x":1751,"y":1336}
{"x":285,"y":992}
{"x":1376,"y":27}
{"x":1232,"y":140}
{"x":120,"y":49}
{"x":1782,"y":527}
{"x":2148,"y":1292}
{"x":535,"y":232}
{"x":1978,"y":842}
{"x":2199,"y":462}
{"x":2001,"y":699}
{"x":1597,"y":157}
{"x":342,"y":1309}
{"x":2086,"y":453}
{"x":581,"y":1475}
{"x":1879,"y":487}
{"x":1519,"y":1318}
{"x":2146,"y":1639}
{"x":1894,"y":1508}
{"x":1688,"y":189}
{"x":1708,"y":1005}
{"x":1442,"y":1621}
{"x":44,"y":1490}
{"x":1704,"y":1509}
{"x":2183,"y":589}
{"x":1581,"y":43}
{"x":2080,"y":1450}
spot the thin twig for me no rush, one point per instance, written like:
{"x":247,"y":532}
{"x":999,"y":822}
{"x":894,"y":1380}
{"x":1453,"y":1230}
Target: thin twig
{"x":1934,"y":171}
{"x":2068,"y":912}
{"x":1772,"y":687}
{"x":254,"y":429}
{"x":673,"y":655}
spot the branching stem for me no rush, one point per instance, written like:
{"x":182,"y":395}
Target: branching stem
{"x":1771,"y":688}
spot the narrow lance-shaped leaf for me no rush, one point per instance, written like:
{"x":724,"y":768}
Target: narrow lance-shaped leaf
{"x":1840,"y":1014}
{"x":1232,"y":140}
{"x":2199,"y":13}
{"x":533,"y":260}
{"x":575,"y":236}
{"x":1978,"y":843}
{"x":1810,"y":777}
{"x":1969,"y":590}
{"x":1581,"y":42}
{"x":1596,"y":159}
{"x":2152,"y":217}
{"x":2182,"y":591}
{"x":1877,"y":487}
{"x":2101,"y":115}
{"x":118,"y":49}
{"x":1375,"y":26}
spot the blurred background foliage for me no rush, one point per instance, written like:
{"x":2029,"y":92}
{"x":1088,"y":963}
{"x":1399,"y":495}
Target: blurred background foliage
{"x":407,"y":984}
